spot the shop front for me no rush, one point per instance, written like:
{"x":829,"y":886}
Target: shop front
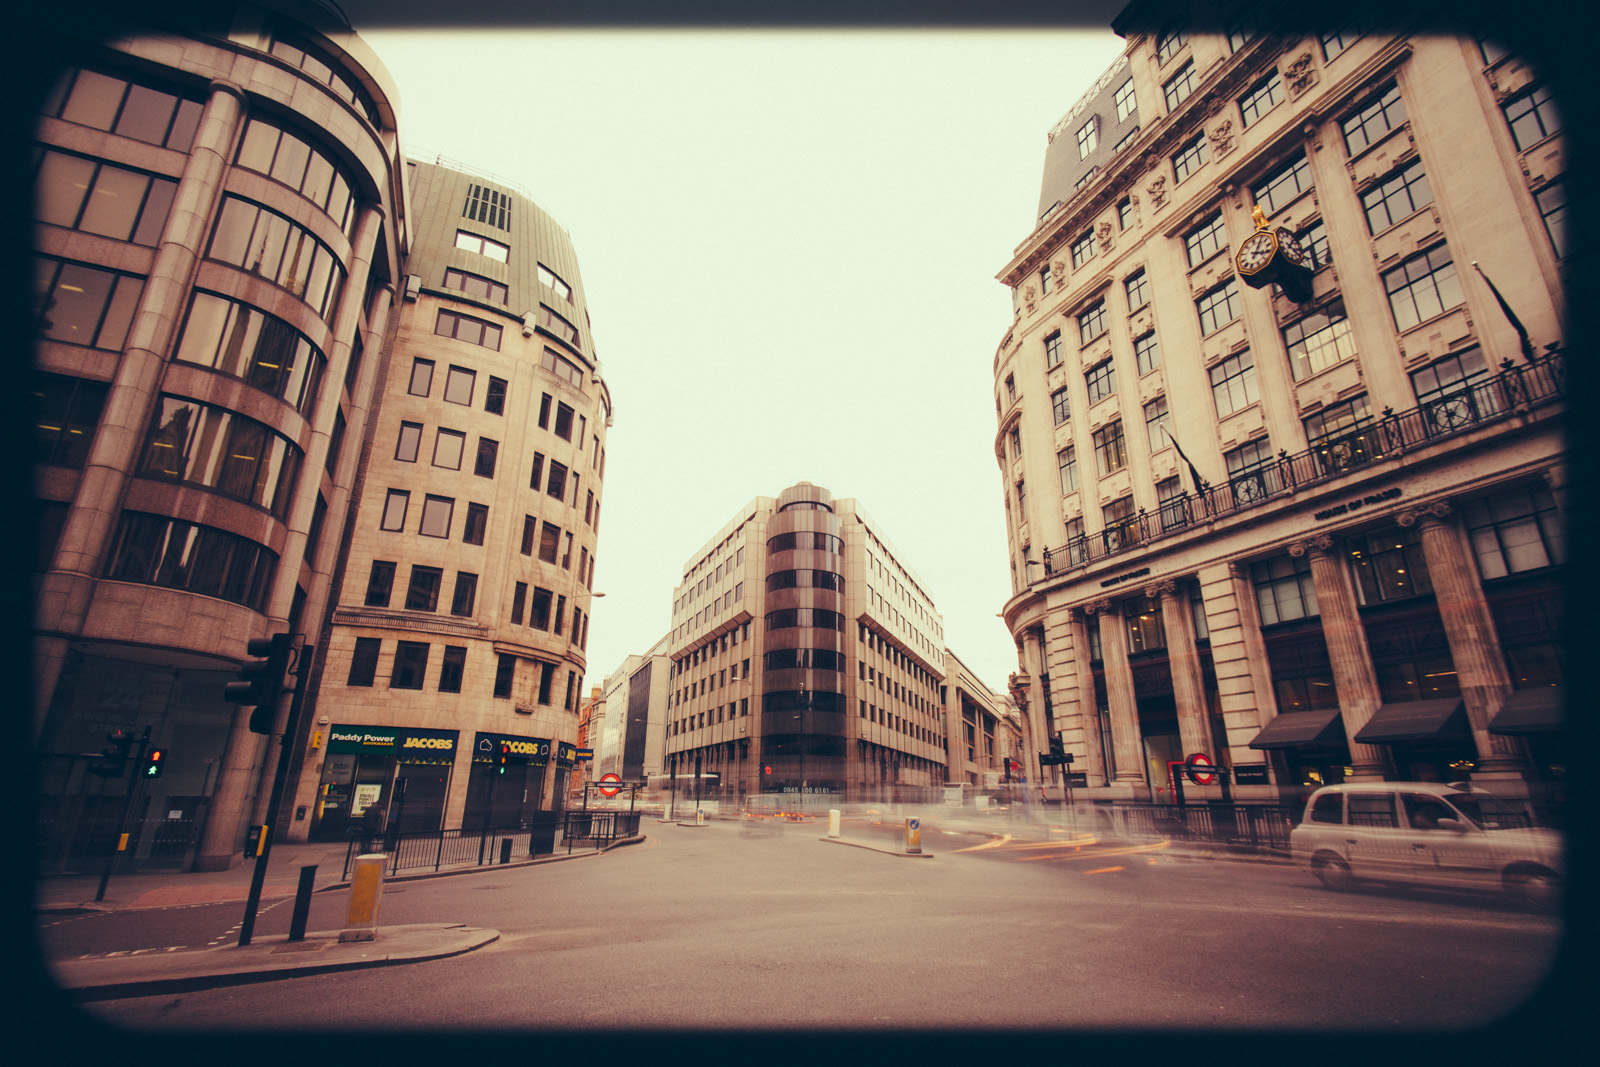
{"x":394,"y":777}
{"x":506,"y":784}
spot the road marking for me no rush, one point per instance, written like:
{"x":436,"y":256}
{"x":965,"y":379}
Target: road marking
{"x":1103,"y":870}
{"x":996,"y":843}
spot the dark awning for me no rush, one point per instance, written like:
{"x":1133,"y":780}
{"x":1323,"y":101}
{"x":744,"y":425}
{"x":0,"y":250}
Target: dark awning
{"x":1294,"y":729}
{"x":1413,"y":720}
{"x":1529,"y":711}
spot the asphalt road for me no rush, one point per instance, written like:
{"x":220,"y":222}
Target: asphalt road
{"x":714,"y":928}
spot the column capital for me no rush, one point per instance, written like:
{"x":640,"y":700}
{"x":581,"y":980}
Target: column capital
{"x":1157,"y":589}
{"x":1317,"y":543}
{"x":1098,"y":607}
{"x":1438,"y":513}
{"x":219,"y":85}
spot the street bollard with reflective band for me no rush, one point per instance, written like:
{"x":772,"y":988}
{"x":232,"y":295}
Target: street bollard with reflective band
{"x":833,"y":822}
{"x":913,"y":836}
{"x":699,"y":817}
{"x":366,"y":893}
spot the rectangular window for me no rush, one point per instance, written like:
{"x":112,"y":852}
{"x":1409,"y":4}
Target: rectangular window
{"x":1261,"y":98}
{"x":1101,"y":381}
{"x":539,"y":611}
{"x":1022,"y":502}
{"x":562,"y":368}
{"x":1044,"y":279}
{"x":452,"y":668}
{"x":463,"y":328}
{"x":127,"y":109}
{"x":530,"y":526}
{"x":1083,"y":250}
{"x":1396,"y":197}
{"x":1233,"y":383}
{"x":1252,"y":472}
{"x":477,"y":524}
{"x":557,"y":325}
{"x":564,"y":422}
{"x":1189,"y":158}
{"x":519,"y":597}
{"x":538,"y":470}
{"x":1448,"y":394}
{"x":505,"y":675}
{"x":1314,"y":242}
{"x":458,"y":386}
{"x":84,"y":306}
{"x":1155,"y":422}
{"x":550,"y":280}
{"x":1176,"y":89}
{"x":1205,"y":240}
{"x":1284,"y":590}
{"x":1319,"y":341}
{"x":487,"y":205}
{"x":1052,"y":350}
{"x":99,"y":198}
{"x":421,"y":377}
{"x":1124,"y":100}
{"x":394,"y":510}
{"x":1552,"y":201}
{"x":447,"y":449}
{"x":1374,"y":120}
{"x":1137,"y":287}
{"x":1334,"y":43}
{"x":66,"y":412}
{"x":1168,"y":44}
{"x":1092,"y":323}
{"x":1172,"y":504}
{"x":1280,"y":188}
{"x":466,"y":594}
{"x":1516,"y":531}
{"x":423,"y":593}
{"x":1532,"y":117}
{"x":1125,"y":210}
{"x":1060,"y":406}
{"x":364,"y":663}
{"x":473,"y":285}
{"x":1088,"y":137}
{"x":494,"y":401}
{"x":379,"y":583}
{"x":405,"y":449}
{"x":1146,"y":354}
{"x":487,"y":451}
{"x":1109,"y":451}
{"x":282,"y":252}
{"x":1422,"y":287}
{"x":557,"y":485}
{"x":1117,"y":522}
{"x":436,"y":514}
{"x":1389,"y":565}
{"x":1218,"y":307}
{"x":494,"y":250}
{"x":549,"y":542}
{"x":1067,"y":468}
{"x":410,"y":665}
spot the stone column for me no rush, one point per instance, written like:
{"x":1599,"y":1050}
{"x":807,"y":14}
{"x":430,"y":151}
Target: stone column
{"x":65,"y":593}
{"x":1353,"y":676}
{"x":1126,"y":739}
{"x":1183,"y":661}
{"x":1094,"y":761}
{"x":1474,"y":646}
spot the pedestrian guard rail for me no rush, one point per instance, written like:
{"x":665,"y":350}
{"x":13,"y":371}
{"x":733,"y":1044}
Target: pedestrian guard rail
{"x":439,"y":850}
{"x":1253,"y":825}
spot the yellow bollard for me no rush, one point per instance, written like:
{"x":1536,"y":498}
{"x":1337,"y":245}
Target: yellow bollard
{"x":833,"y":822}
{"x":366,"y":893}
{"x":913,"y":835}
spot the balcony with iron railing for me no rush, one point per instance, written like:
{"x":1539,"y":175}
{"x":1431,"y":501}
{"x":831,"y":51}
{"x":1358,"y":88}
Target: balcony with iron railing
{"x":1515,"y":390}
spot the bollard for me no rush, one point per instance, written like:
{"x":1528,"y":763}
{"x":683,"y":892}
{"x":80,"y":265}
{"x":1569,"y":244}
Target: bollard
{"x":366,"y":893}
{"x":505,"y":850}
{"x":833,"y":822}
{"x":699,"y":817}
{"x":913,"y":836}
{"x":302,"y":903}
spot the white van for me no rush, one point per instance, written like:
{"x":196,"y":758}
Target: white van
{"x":1426,"y":833}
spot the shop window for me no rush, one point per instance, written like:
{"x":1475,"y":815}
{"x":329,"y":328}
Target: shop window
{"x":1389,"y":565}
{"x":1515,"y":532}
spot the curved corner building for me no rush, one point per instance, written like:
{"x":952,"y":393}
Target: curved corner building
{"x":1318,"y":536}
{"x":463,"y":607}
{"x":220,"y":229}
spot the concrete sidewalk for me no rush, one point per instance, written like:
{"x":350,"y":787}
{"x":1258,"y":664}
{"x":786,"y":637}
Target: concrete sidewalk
{"x":147,"y":972}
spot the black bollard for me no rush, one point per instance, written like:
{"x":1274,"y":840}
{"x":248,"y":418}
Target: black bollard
{"x":505,"y":850}
{"x":302,"y":903}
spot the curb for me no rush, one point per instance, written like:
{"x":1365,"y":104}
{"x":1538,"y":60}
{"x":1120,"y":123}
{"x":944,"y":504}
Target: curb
{"x":875,"y":848}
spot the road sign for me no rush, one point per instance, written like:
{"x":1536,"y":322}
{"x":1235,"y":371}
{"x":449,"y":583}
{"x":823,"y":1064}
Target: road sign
{"x":1200,"y":769}
{"x":606,"y":788}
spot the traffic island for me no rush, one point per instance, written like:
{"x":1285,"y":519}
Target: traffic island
{"x":879,"y":848}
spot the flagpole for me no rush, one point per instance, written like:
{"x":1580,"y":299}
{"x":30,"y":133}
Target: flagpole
{"x":1516,"y":323}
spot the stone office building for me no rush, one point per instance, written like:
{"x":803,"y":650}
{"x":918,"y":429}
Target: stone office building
{"x":220,"y":226}
{"x":1278,"y":416}
{"x":462,"y":612}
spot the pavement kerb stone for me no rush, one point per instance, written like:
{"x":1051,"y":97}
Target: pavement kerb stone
{"x":875,"y":848}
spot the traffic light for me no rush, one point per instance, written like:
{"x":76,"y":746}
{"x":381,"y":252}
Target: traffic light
{"x":1057,"y":748}
{"x":153,"y":762}
{"x":113,"y":759}
{"x":505,"y":750}
{"x":261,"y":679}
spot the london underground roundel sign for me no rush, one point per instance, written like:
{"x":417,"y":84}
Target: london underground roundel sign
{"x":613,"y":790}
{"x":1199,"y":767}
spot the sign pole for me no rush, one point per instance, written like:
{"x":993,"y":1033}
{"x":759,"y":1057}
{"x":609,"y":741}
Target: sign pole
{"x":280,"y":777}
{"x":117,"y":846}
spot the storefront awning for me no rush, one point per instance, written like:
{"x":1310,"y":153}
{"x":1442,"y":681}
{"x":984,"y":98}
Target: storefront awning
{"x":1294,"y":729}
{"x":1529,"y":711}
{"x":1413,"y":720}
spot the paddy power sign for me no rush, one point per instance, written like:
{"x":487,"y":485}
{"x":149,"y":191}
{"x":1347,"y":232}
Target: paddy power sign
{"x":406,"y":745}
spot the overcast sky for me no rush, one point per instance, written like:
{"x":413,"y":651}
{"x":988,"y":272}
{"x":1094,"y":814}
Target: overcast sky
{"x":789,"y":243}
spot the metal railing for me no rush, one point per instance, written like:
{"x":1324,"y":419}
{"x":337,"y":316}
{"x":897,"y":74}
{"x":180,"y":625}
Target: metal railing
{"x":599,"y":828}
{"x":1255,"y":825}
{"x":486,"y":846}
{"x":1515,"y":389}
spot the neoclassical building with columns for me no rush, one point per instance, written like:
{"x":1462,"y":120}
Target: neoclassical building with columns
{"x":1279,"y":416}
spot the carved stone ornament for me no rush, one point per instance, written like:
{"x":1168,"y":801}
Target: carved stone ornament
{"x":1098,"y":607}
{"x":1029,"y":295}
{"x":1058,"y":269}
{"x":1301,"y":74}
{"x":1154,"y":591}
{"x":1320,"y":543}
{"x":1221,"y":136}
{"x":1103,"y":231}
{"x":1158,"y":190}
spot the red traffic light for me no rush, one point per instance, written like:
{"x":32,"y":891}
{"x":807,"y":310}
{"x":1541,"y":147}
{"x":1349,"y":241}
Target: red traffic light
{"x":767,"y":769}
{"x":153,"y":762}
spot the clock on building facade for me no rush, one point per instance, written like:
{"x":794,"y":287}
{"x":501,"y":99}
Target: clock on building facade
{"x":1274,"y":254}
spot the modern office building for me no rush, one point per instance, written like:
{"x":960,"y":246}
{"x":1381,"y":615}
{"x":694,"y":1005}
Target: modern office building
{"x":220,"y":230}
{"x":631,"y":744}
{"x":462,"y":612}
{"x":806,"y":658}
{"x":1278,"y":416}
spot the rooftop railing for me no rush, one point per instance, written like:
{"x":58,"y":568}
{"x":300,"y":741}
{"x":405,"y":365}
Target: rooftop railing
{"x":1515,"y":390}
